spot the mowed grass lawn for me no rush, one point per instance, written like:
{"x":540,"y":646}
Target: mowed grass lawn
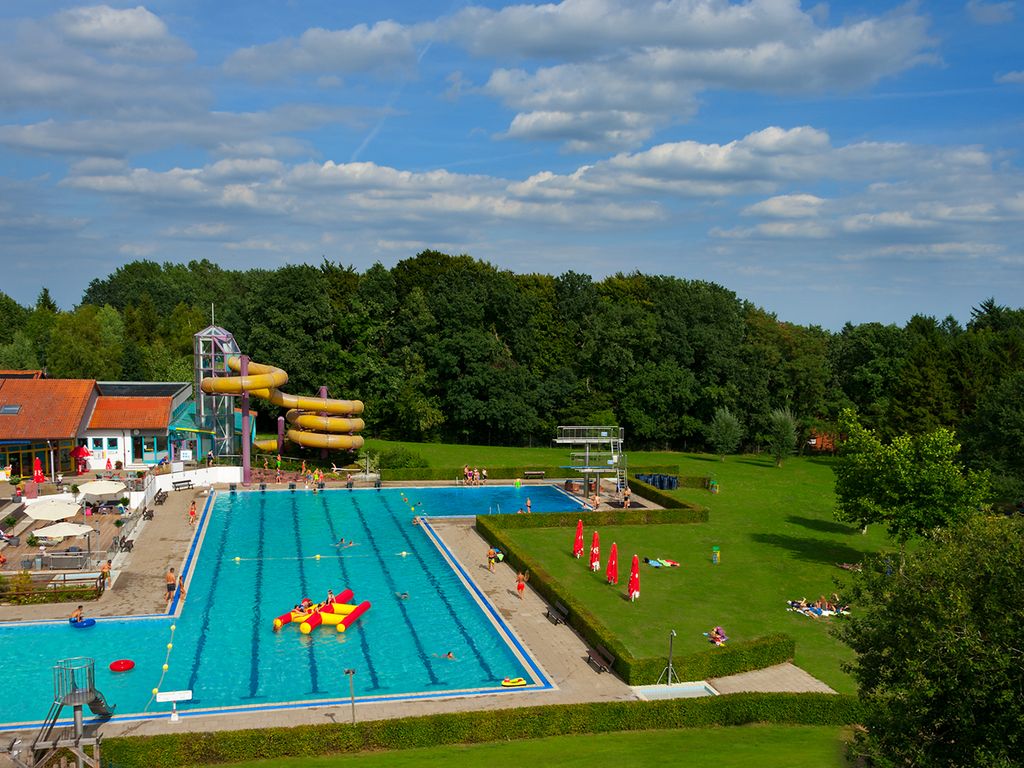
{"x":778,"y":541}
{"x":766,"y":746}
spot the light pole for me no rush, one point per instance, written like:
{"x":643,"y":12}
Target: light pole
{"x":352,"y":691}
{"x":669,"y":671}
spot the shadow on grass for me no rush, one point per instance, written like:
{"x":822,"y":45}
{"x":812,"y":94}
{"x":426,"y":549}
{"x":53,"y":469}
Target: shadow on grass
{"x":823,"y":526}
{"x":824,"y":461}
{"x":767,"y":462}
{"x":704,"y":457}
{"x":811,"y":550}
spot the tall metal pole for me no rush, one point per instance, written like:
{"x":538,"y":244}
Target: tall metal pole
{"x":352,"y":691}
{"x":246,"y":447}
{"x":671,"y":671}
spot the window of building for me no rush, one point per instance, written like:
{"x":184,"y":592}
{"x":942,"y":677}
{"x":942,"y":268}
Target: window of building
{"x":97,"y":443}
{"x":10,"y":410}
{"x":112,"y":444}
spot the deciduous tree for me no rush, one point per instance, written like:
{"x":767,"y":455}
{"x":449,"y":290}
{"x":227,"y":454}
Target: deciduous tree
{"x":912,"y":485}
{"x":724,"y":432}
{"x":940,"y":665}
{"x":781,"y":434}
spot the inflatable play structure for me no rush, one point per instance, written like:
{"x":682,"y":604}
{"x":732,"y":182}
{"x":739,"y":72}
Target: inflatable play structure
{"x":340,"y":613}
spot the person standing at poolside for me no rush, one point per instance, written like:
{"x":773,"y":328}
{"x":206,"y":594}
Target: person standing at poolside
{"x":192,"y":513}
{"x":626,"y":493}
{"x":171,"y":581}
{"x":521,"y":579}
{"x":491,"y":555}
{"x":105,"y":572}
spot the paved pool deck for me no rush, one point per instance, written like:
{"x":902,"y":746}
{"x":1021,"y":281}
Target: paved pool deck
{"x":164,"y":542}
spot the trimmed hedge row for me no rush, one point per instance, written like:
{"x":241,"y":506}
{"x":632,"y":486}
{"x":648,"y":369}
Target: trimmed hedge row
{"x":651,"y":493}
{"x":477,"y":727}
{"x":728,"y":660}
{"x":505,"y":473}
{"x":684,"y":513}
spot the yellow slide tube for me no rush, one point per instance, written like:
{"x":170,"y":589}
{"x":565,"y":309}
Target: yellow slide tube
{"x":313,"y":430}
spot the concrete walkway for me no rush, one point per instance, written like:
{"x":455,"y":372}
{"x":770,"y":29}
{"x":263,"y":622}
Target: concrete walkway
{"x":137,"y":586}
{"x":163,"y":542}
{"x":782,"y":678}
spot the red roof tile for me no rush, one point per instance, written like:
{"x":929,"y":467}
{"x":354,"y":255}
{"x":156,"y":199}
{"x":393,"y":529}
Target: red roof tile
{"x":131,"y":413}
{"x":50,"y":409}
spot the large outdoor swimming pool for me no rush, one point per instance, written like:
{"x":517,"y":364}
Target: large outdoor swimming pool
{"x":261,"y":553}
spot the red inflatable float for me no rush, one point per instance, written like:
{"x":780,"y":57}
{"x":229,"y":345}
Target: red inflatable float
{"x":121,"y":665}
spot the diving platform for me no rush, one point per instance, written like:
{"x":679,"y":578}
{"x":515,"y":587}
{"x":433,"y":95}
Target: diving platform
{"x":588,"y":435}
{"x":598,"y":452}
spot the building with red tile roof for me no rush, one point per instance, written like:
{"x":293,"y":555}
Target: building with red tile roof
{"x":42,"y":418}
{"x":125,"y":423}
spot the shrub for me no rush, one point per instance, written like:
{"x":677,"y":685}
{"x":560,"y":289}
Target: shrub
{"x":9,"y":521}
{"x":400,"y":457}
{"x":479,"y":727}
{"x":506,"y":473}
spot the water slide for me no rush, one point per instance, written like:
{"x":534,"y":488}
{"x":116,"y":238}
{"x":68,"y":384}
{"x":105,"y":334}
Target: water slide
{"x":309,"y":426}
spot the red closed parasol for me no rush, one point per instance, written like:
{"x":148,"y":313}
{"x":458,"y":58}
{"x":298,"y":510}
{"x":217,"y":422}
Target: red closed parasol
{"x":612,"y":573}
{"x":577,"y":547}
{"x":633,"y":589}
{"x":109,"y":467}
{"x":37,"y":470}
{"x":595,"y":553}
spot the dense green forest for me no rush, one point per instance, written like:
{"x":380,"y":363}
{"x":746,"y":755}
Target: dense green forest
{"x":451,"y":348}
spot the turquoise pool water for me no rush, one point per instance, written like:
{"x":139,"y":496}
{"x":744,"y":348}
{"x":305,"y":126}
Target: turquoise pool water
{"x":223,"y":647}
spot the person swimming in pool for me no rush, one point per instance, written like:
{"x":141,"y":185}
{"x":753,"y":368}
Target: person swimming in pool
{"x":402,"y":595}
{"x":450,"y":656}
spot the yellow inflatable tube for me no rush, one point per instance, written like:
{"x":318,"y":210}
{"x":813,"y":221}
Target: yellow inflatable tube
{"x":312,"y":429}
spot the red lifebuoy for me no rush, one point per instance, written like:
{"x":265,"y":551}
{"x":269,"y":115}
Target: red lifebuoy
{"x":121,"y":665}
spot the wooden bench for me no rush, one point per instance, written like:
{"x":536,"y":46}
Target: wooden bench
{"x":534,"y":474}
{"x":600,"y":658}
{"x":181,"y":485}
{"x":147,"y":514}
{"x":557,"y":613}
{"x":160,"y":498}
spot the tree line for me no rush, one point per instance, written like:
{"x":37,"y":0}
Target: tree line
{"x":452,"y":348}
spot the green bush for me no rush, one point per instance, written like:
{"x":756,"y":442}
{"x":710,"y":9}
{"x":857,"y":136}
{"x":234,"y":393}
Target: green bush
{"x":651,"y":493}
{"x":400,"y":457}
{"x":193,"y":749}
{"x":504,"y":473}
{"x":9,"y":521}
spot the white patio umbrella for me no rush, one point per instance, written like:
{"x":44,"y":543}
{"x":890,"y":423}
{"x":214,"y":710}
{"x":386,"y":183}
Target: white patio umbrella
{"x":63,"y":530}
{"x":101,"y":488}
{"x":52,"y":509}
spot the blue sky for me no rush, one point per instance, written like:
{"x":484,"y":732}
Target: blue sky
{"x":855,"y":161}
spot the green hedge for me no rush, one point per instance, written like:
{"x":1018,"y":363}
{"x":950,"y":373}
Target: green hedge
{"x":505,"y":473}
{"x":715,"y":662}
{"x":651,"y":493}
{"x":198,"y":749}
{"x":684,"y":513}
